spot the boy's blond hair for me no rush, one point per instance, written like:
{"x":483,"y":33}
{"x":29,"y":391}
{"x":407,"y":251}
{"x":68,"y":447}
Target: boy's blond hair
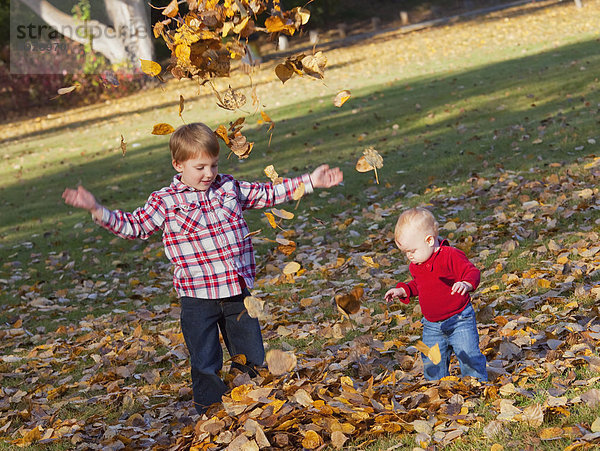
{"x":420,"y":218}
{"x":190,"y":140}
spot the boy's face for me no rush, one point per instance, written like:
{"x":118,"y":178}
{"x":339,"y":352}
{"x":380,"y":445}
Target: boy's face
{"x":198,"y":172}
{"x":416,"y":244}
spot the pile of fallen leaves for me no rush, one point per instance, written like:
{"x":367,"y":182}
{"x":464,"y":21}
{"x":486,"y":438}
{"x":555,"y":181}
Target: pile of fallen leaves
{"x":357,"y":374}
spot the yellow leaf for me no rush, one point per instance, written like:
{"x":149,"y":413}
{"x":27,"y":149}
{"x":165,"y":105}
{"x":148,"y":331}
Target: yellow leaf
{"x":369,"y":261}
{"x":596,"y":425}
{"x":312,"y":440}
{"x":271,"y":219}
{"x":543,"y":283}
{"x":299,"y":192}
{"x":273,"y":175}
{"x":551,"y":433}
{"x":172,"y":9}
{"x":280,"y":362}
{"x":282,"y":213}
{"x":434,"y":354}
{"x":150,"y":67}
{"x":291,"y":268}
{"x":562,"y":260}
{"x":221,"y":132}
{"x":497,"y":447}
{"x":240,"y":393}
{"x":162,"y":129}
{"x":363,"y":166}
{"x":341,"y":98}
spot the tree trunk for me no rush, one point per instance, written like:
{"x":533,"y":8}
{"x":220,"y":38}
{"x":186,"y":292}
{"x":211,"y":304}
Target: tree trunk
{"x":126,"y":41}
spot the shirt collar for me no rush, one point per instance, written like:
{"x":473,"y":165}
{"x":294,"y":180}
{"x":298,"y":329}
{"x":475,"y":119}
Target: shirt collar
{"x":428,"y":264}
{"x":179,"y":186}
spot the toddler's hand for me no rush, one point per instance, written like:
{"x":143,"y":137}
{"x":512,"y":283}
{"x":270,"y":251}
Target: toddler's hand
{"x":461,"y":288}
{"x":395,"y":293}
{"x":324,"y":177}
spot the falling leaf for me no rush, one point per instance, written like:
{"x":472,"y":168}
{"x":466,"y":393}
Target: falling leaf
{"x":162,"y":129}
{"x":231,"y":99}
{"x":280,"y":362}
{"x":370,"y":161}
{"x":271,"y":219}
{"x":341,"y":98}
{"x":172,"y":9}
{"x":283,"y":214}
{"x":150,"y":67}
{"x":314,"y":65}
{"x":63,"y":91}
{"x":267,"y":120}
{"x":432,"y":353}
{"x":350,"y":302}
{"x":283,"y":72}
{"x":273,"y":175}
{"x":221,"y":132}
{"x":291,"y":268}
{"x":123,"y":145}
{"x":298,"y":192}
{"x":249,"y":234}
{"x":181,"y":104}
{"x":254,"y":306}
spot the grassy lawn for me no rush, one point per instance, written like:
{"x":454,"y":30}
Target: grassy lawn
{"x":492,"y":122}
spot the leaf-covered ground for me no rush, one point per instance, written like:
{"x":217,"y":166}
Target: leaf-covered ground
{"x":118,"y":378}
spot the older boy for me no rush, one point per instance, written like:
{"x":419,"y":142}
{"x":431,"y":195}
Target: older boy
{"x":442,"y":278}
{"x":207,"y":239}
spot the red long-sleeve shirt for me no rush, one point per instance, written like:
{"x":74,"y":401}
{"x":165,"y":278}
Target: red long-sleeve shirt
{"x":433,"y":280}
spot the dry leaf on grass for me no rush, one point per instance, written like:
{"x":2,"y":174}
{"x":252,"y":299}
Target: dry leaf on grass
{"x":280,"y":362}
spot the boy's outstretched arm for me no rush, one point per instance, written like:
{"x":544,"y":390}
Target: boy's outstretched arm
{"x":82,"y":198}
{"x":324,"y":177}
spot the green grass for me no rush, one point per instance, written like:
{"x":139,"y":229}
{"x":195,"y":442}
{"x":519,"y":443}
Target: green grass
{"x":439,"y":120}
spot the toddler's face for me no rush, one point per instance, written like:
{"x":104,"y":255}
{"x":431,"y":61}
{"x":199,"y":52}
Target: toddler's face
{"x":198,"y":172}
{"x":416,"y":244}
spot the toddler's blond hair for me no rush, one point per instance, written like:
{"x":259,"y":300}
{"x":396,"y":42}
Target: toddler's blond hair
{"x":191,"y":140}
{"x":420,"y":218}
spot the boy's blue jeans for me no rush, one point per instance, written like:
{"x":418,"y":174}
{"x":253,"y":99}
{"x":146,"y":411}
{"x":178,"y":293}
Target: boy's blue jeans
{"x":201,"y":321}
{"x":459,"y":334}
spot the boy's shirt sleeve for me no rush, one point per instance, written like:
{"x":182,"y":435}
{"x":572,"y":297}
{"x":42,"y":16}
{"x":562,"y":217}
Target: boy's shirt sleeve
{"x":141,"y":223}
{"x":261,"y":195}
{"x":410,"y":288}
{"x":464,"y":269}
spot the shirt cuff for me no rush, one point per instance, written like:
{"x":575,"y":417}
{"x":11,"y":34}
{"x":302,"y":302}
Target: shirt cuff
{"x":308,"y":187}
{"x":405,"y":300}
{"x":105,"y":219}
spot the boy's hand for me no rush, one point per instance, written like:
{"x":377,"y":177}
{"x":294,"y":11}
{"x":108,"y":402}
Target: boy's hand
{"x":461,"y":288}
{"x":324,"y":177}
{"x":81,"y":198}
{"x":395,"y":293}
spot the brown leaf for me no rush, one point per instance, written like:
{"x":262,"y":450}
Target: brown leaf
{"x":280,"y":362}
{"x":123,"y":145}
{"x":350,"y":303}
{"x":254,"y":306}
{"x":314,"y":65}
{"x":284,"y":72}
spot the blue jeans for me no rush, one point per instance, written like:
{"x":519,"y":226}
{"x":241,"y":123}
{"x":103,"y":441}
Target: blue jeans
{"x":459,"y":334}
{"x":201,"y":321}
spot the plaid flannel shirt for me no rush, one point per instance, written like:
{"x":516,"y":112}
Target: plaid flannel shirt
{"x":204,"y":233}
